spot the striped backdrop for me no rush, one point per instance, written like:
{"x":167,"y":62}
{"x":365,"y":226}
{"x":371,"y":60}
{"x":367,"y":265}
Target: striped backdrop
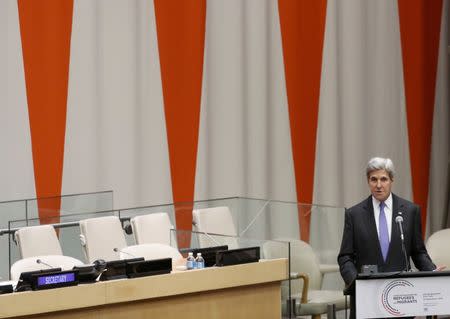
{"x":178,"y":100}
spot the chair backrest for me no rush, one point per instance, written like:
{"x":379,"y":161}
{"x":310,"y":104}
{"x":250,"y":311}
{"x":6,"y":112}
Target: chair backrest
{"x":31,"y":264}
{"x":215,"y":220}
{"x":303,"y":260}
{"x":151,"y":251}
{"x":437,"y":245}
{"x":153,"y":228}
{"x":38,"y":240}
{"x":102,"y":238}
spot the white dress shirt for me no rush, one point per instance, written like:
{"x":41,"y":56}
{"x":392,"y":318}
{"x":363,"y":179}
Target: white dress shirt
{"x":387,"y":212}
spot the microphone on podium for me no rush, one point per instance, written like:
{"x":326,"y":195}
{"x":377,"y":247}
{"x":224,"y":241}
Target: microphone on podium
{"x":100,"y":268}
{"x":399,"y":221}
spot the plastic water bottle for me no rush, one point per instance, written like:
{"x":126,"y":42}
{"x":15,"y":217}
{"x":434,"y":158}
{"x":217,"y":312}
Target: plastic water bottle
{"x":190,"y":261}
{"x":199,"y":261}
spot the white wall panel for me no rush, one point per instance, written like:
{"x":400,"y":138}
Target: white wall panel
{"x":116,"y":136}
{"x":244,"y":144}
{"x":16,"y":161}
{"x":221,"y":148}
{"x":440,"y":144}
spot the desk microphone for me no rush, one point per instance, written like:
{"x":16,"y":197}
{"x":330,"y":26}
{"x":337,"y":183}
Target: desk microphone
{"x":399,"y":221}
{"x":100,"y":268}
{"x":120,"y":251}
{"x":39,"y":261}
{"x":207,"y":235}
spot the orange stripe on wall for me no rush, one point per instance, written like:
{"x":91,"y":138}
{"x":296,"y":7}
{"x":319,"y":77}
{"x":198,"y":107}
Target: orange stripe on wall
{"x":181,"y":37}
{"x":302,"y":29}
{"x":45,"y":28}
{"x":420,"y":23}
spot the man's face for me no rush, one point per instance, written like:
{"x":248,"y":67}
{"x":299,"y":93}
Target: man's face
{"x":380,"y":184}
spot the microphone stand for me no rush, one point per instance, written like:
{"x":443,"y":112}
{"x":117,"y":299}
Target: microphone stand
{"x":212,"y":239}
{"x":120,"y":251}
{"x":39,"y":261}
{"x":399,"y":221}
{"x":408,"y":267}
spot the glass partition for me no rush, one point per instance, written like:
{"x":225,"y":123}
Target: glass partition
{"x":280,"y":220}
{"x":268,"y":219}
{"x":283,"y":221}
{"x":16,"y":214}
{"x":8,"y":211}
{"x":70,"y":204}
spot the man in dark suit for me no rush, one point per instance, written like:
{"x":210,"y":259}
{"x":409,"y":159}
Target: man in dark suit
{"x":371,"y":236}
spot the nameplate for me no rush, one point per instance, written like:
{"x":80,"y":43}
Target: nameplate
{"x":54,"y":280}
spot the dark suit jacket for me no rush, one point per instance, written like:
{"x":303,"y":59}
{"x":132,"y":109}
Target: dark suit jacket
{"x":360,"y":244}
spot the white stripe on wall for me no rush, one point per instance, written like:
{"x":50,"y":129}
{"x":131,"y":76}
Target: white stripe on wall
{"x":116,"y":135}
{"x":16,"y":161}
{"x":440,"y":144}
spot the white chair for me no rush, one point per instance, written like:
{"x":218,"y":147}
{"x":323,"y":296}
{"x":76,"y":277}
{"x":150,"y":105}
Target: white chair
{"x":102,"y":238}
{"x":153,"y":228}
{"x":215,"y":220}
{"x":42,"y":262}
{"x":37,"y":240}
{"x":306,"y":278}
{"x":437,"y":245}
{"x":152,"y":251}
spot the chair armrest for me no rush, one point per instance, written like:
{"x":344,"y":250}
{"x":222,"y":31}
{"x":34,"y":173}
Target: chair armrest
{"x":305,"y":278}
{"x":82,"y":240}
{"x":328,"y":268}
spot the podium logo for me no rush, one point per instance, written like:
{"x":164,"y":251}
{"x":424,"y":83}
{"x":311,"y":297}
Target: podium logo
{"x":397,"y":295}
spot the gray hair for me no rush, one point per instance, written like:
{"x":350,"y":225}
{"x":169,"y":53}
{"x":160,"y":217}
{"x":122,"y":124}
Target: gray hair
{"x":377,"y":163}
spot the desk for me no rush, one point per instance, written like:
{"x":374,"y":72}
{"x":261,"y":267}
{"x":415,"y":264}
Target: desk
{"x":241,"y":291}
